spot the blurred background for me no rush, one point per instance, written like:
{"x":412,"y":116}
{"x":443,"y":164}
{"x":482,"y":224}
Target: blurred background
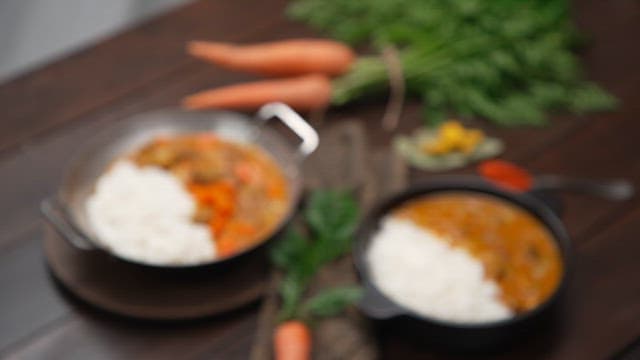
{"x":33,"y":32}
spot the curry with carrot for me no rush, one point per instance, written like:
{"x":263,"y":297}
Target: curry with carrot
{"x":240,"y":191}
{"x":516,"y":249}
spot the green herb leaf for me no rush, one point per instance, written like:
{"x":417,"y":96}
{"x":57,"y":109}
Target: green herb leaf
{"x":332,"y":302}
{"x":331,"y":213}
{"x":331,"y":217}
{"x":590,"y":97}
{"x":286,"y":253}
{"x":291,"y":290}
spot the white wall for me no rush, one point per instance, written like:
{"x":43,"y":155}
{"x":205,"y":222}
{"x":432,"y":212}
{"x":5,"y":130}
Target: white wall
{"x":33,"y":32}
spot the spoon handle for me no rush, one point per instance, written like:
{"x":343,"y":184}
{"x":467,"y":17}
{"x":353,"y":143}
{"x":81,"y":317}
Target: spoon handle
{"x":614,"y":189}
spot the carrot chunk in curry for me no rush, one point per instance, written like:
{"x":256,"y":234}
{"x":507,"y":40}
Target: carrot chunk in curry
{"x":516,"y":249}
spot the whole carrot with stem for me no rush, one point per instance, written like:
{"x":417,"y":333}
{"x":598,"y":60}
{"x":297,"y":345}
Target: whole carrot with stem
{"x":331,"y":217}
{"x":303,"y":93}
{"x":278,"y":58}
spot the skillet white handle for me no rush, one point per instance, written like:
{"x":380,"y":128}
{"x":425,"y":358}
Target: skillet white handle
{"x":295,"y":122}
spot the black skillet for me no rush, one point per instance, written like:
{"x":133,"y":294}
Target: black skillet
{"x":486,"y":336}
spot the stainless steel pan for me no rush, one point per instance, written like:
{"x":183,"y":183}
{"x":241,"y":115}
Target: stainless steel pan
{"x":66,"y":212}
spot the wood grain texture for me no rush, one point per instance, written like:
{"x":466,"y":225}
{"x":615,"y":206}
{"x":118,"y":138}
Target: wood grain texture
{"x":91,"y":335}
{"x":115,"y":68}
{"x":28,"y":297}
{"x":145,"y":68}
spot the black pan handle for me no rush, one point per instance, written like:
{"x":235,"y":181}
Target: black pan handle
{"x":546,"y":188}
{"x":56,"y":215}
{"x":614,"y":189}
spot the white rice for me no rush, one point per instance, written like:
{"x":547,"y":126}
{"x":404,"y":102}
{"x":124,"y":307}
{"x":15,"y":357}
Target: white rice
{"x":145,"y":214}
{"x":422,"y":272}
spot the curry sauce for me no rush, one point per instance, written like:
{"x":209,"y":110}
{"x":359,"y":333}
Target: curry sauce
{"x":240,"y":191}
{"x":516,"y":249}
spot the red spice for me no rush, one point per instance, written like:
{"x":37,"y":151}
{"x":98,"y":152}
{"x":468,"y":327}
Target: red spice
{"x":506,"y":174}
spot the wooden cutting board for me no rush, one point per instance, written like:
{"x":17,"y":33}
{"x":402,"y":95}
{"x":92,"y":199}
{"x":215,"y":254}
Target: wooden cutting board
{"x":343,"y":160}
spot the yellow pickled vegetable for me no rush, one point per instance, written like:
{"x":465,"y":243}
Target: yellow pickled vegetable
{"x":452,"y":136}
{"x":471,"y":140}
{"x":452,"y":132}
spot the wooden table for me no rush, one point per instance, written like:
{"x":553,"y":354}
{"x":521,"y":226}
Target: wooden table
{"x":46,"y":111}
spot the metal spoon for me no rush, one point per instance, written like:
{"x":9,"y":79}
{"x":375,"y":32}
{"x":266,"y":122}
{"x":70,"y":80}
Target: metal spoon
{"x":615,"y":189}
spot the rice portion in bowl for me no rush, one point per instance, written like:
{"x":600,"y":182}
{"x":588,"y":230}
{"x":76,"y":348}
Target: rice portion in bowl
{"x":145,"y":214}
{"x":421,"y":271}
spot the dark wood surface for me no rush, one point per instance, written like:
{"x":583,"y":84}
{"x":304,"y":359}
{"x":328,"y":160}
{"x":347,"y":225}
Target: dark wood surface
{"x":46,"y":112}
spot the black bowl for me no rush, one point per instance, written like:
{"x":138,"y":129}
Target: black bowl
{"x":449,"y":335}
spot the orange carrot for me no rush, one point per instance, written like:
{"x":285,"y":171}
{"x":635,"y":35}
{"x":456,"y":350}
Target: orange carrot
{"x":226,"y":246}
{"x":278,"y":58}
{"x":218,"y":223}
{"x":232,"y":236}
{"x":220,"y":194}
{"x":506,"y":174}
{"x":292,"y":341}
{"x":246,"y":172}
{"x":276,"y":190}
{"x":302,"y":93}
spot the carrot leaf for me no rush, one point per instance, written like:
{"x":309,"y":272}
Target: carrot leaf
{"x":331,"y":302}
{"x":508,"y":61}
{"x":330,"y":220}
